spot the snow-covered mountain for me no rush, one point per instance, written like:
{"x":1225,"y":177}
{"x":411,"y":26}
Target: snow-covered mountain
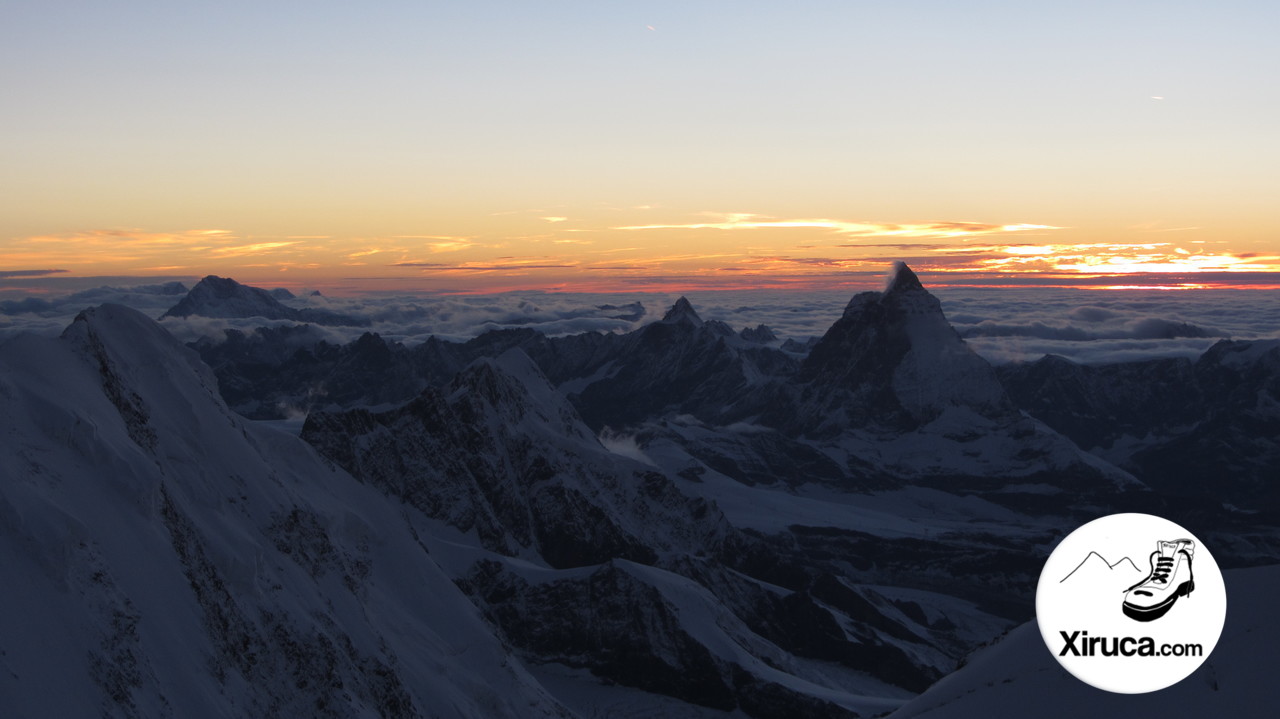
{"x":889,"y":392}
{"x":216,"y":296}
{"x":164,"y":557}
{"x":500,"y":452}
{"x":679,"y":365}
{"x":274,"y":372}
{"x":683,"y":519}
{"x":501,"y":455}
{"x":174,"y":558}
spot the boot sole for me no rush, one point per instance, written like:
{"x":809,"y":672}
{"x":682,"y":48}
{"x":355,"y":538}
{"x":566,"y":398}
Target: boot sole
{"x":1152,"y":613}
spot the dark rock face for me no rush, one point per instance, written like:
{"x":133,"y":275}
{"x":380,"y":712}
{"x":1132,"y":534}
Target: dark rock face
{"x":501,"y":454}
{"x":891,"y":365}
{"x":632,"y":312}
{"x":630,"y":631}
{"x":679,"y":365}
{"x":275,"y":371}
{"x":1208,"y":428}
{"x":760,"y":333}
{"x":516,"y":465}
{"x":892,"y":360}
{"x":1095,"y":405}
{"x":85,"y":333}
{"x":624,"y":630}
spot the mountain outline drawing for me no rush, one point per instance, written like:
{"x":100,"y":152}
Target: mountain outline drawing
{"x":1110,"y":565}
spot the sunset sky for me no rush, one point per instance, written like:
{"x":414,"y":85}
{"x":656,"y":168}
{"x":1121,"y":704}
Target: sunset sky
{"x":486,"y":146}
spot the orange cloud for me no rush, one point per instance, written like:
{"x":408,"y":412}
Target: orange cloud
{"x":748,"y":221}
{"x":1117,"y":258}
{"x":256,"y":248}
{"x":6,"y":274}
{"x":783,"y":251}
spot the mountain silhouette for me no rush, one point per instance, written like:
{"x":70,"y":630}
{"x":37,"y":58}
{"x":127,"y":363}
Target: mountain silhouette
{"x":1109,"y":565}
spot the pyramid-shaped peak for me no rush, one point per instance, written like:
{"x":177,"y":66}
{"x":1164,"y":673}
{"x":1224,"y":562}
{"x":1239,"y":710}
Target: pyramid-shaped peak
{"x":902,"y":290}
{"x":682,"y":311}
{"x":902,"y":279}
{"x":214,"y":282}
{"x":224,"y":287}
{"x":217,"y":296}
{"x":896,"y":357}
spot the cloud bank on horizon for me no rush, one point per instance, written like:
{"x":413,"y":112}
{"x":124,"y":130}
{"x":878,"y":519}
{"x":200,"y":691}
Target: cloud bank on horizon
{"x":727,"y":251}
{"x":1004,"y":324}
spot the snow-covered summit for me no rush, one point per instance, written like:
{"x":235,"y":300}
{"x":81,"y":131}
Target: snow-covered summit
{"x":151,"y":379}
{"x":216,"y":296}
{"x":513,"y":391}
{"x":168,"y":558}
{"x":126,"y":331}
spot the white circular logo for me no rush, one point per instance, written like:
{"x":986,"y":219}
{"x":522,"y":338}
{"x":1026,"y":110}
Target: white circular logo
{"x":1131,"y":603}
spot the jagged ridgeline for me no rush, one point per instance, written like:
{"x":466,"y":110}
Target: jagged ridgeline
{"x":682,"y":520}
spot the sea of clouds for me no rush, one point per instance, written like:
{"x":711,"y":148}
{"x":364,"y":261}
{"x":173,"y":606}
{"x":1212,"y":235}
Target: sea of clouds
{"x":1100,"y":326}
{"x":1003,"y":324}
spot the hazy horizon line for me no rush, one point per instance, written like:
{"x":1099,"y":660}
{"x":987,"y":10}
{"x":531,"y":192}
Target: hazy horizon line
{"x":47,"y":282}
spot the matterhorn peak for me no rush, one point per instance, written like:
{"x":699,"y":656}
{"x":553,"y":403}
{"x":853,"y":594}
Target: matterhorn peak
{"x":901,"y":279}
{"x":903,"y":295}
{"x":895,"y":356}
{"x":682,"y":311}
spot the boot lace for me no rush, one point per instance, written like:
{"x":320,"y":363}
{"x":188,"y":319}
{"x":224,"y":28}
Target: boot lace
{"x":1164,"y":565}
{"x":1159,"y":573}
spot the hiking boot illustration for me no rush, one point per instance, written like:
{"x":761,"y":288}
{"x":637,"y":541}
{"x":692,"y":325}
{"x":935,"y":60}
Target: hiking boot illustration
{"x":1170,"y":578}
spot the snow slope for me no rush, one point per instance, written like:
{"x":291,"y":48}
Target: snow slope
{"x":1018,"y":676}
{"x":163,"y":557}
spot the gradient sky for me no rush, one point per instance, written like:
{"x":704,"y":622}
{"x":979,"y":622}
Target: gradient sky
{"x":587,"y":145}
